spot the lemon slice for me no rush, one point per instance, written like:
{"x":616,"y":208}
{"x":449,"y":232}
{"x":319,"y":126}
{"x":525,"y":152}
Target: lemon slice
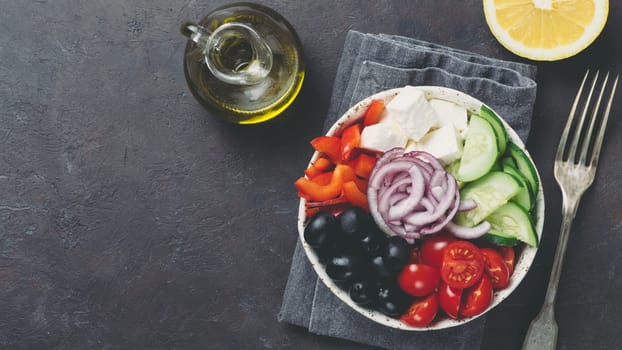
{"x":546,"y":30}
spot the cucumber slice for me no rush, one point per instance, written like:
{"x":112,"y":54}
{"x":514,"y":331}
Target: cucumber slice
{"x":510,"y":220}
{"x":525,"y":197}
{"x":496,"y":239}
{"x":452,"y":169}
{"x":497,"y":125}
{"x":496,"y":167}
{"x":508,"y":161}
{"x":480,"y":150}
{"x":524,"y":165}
{"x":490,"y":192}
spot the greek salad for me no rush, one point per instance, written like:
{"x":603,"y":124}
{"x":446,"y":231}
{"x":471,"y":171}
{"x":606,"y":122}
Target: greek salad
{"x":419,"y":209}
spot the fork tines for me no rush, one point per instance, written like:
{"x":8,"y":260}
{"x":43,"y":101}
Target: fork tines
{"x":593,"y":113}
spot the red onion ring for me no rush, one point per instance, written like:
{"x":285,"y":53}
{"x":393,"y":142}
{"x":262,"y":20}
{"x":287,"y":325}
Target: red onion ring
{"x":411,"y":195}
{"x":467,"y":204}
{"x":464,"y":232}
{"x":387,"y":157}
{"x":426,"y":157}
{"x":417,"y":190}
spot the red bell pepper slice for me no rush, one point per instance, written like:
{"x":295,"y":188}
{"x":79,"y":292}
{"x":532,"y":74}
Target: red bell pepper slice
{"x":332,"y":206}
{"x":363,"y":165}
{"x":309,"y":212}
{"x":334,"y":209}
{"x":329,"y":145}
{"x":317,"y":193}
{"x":350,"y":139}
{"x":373,"y":113}
{"x":318,"y":167}
{"x":323,"y":178}
{"x":354,"y":195}
{"x":311,"y":172}
{"x":322,"y":163}
{"x":327,"y":203}
{"x":361,"y":184}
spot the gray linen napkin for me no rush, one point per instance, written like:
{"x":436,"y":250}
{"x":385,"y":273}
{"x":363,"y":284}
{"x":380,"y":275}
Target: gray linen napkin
{"x":371,"y":63}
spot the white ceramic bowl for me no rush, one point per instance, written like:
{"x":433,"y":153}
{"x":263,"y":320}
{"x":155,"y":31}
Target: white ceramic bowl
{"x":523,"y":260}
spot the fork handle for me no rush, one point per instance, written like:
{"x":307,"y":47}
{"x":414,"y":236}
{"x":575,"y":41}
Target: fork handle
{"x":542,"y":332}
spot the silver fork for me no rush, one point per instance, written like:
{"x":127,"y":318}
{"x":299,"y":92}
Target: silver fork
{"x":574,"y":176}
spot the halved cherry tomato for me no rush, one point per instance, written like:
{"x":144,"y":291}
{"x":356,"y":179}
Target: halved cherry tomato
{"x":350,"y":139}
{"x":422,"y":312}
{"x":496,"y":268}
{"x":432,"y":248}
{"x":449,"y":299}
{"x":509,"y":256}
{"x":373,"y":112}
{"x":477,"y":298}
{"x":329,"y":145}
{"x":463,"y":264}
{"x":418,"y":279}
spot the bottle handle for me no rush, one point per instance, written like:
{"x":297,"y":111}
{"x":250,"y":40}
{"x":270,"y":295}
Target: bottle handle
{"x":234,"y":53}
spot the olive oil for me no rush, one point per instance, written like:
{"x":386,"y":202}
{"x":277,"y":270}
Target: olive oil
{"x":244,"y":62}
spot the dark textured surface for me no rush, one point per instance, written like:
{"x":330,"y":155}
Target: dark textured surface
{"x":130,"y":218}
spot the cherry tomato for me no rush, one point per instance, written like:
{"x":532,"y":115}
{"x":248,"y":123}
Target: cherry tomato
{"x":477,"y":298}
{"x":509,"y":256}
{"x":449,"y":299}
{"x":418,"y":279}
{"x":432,"y":248}
{"x":422,"y":312}
{"x":463,"y":264}
{"x":496,"y":268}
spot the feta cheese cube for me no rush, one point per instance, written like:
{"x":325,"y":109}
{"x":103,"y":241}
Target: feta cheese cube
{"x":443,"y":143}
{"x":383,"y":136}
{"x":450,"y":113}
{"x":411,"y":146}
{"x":412,"y":112}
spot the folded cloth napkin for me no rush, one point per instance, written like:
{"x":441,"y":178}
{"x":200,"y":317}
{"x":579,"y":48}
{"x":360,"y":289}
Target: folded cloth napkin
{"x":369,"y":64}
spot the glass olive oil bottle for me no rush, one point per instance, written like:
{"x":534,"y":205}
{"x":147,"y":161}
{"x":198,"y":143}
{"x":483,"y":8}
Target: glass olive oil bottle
{"x":244,"y":62}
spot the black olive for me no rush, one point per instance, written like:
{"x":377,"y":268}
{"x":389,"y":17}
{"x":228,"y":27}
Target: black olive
{"x":321,"y":230}
{"x":363,"y":292}
{"x":392,"y":301}
{"x":373,"y":243}
{"x":335,"y":247}
{"x":355,"y":223}
{"x":343,"y":267}
{"x":397,"y":253}
{"x":379,"y":270}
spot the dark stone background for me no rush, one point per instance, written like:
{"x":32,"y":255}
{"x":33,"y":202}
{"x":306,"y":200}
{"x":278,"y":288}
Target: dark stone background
{"x":131,"y":218}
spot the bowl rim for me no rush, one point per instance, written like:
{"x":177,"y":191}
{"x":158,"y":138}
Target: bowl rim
{"x":524,"y":259}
